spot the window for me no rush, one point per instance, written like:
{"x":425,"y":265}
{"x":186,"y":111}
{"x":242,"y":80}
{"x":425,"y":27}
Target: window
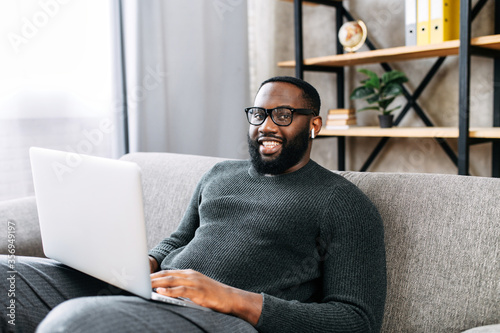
{"x":60,"y":83}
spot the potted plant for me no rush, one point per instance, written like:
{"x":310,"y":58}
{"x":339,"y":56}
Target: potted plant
{"x":380,"y":92}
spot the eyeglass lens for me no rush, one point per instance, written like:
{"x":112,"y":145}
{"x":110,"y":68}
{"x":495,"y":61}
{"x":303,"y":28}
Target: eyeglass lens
{"x":280,"y":116}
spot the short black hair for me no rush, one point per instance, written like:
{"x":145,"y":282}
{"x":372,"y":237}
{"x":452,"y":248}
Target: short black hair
{"x":310,"y":94}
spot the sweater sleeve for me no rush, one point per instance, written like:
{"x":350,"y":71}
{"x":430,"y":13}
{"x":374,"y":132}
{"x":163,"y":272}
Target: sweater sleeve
{"x":185,"y":231}
{"x":353,"y":274}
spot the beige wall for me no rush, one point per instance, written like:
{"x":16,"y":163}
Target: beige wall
{"x":271,"y":40}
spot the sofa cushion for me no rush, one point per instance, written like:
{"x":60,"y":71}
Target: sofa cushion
{"x":442,"y":242}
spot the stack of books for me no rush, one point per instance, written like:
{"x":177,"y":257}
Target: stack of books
{"x":340,"y":119}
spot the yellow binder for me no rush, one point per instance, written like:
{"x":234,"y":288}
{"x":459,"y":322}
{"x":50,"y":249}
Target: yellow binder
{"x":423,"y":23}
{"x":445,"y":20}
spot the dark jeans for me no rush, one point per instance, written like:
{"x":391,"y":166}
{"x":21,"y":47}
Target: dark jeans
{"x":46,"y":296}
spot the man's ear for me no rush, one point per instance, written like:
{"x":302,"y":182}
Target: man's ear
{"x":316,"y":124}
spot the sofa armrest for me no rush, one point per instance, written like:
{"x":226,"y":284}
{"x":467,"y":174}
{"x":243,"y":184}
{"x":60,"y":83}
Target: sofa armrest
{"x":22,"y":216}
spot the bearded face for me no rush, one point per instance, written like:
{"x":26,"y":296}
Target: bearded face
{"x":290,"y":152}
{"x":275,"y":149}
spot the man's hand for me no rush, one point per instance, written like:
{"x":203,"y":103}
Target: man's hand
{"x":207,"y":292}
{"x":153,"y":265}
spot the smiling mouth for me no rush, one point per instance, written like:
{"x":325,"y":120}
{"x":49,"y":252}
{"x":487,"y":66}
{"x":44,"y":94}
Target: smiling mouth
{"x":270,"y":144}
{"x":269,"y":147}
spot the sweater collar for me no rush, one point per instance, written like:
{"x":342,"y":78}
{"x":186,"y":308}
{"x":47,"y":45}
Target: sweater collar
{"x":306,"y":168}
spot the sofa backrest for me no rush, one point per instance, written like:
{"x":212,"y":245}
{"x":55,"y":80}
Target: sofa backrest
{"x":168,"y":181}
{"x":442,"y":237}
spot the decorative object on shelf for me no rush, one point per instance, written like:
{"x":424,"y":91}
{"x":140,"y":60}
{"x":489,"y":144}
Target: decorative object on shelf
{"x":380,"y":91}
{"x":385,"y":120}
{"x":352,"y":35}
{"x":340,"y":119}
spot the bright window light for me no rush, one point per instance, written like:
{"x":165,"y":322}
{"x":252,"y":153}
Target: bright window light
{"x":59,"y":82}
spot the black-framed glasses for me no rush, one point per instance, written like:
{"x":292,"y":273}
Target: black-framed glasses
{"x":281,"y":116}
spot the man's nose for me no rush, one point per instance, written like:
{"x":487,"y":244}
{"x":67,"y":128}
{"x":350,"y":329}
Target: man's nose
{"x":268,"y":126}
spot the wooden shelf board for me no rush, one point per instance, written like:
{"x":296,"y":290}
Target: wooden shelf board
{"x":490,"y":42}
{"x":395,"y":54}
{"x":309,"y":3}
{"x":413,"y":132}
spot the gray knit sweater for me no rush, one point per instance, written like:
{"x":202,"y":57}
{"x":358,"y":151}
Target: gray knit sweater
{"x":310,"y":241}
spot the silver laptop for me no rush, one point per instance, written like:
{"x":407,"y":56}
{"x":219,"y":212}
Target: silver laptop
{"x":91,"y":218}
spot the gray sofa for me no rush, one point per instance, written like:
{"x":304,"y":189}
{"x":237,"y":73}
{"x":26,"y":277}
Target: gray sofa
{"x":442,"y":236}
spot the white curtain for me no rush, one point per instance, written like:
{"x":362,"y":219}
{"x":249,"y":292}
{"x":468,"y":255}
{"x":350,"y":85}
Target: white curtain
{"x":187,"y":76}
{"x":59,"y":84}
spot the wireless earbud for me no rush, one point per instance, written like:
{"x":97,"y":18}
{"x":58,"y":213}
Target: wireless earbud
{"x":312,"y":134}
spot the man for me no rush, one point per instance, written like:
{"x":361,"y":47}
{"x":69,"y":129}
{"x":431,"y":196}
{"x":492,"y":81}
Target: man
{"x":274,"y":244}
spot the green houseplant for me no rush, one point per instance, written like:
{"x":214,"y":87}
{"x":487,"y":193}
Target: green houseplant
{"x":380,"y":92}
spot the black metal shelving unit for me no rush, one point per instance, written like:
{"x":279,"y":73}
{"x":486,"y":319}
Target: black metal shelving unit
{"x":467,"y":14}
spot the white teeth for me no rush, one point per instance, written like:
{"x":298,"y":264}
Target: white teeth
{"x":270,"y":144}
